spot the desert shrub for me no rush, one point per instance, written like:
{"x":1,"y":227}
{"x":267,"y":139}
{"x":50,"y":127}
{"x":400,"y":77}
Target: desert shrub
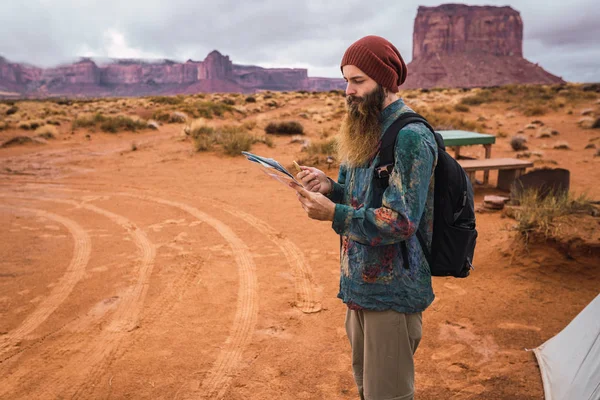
{"x":250,"y":99}
{"x":461,"y":108}
{"x":47,"y":131}
{"x":518,"y":143}
{"x":17,"y":140}
{"x":12,"y":110}
{"x":161,"y":115}
{"x":285,"y":127}
{"x":537,"y":213}
{"x":4,"y":125}
{"x":206,"y":109}
{"x":561,"y":146}
{"x":108,"y":123}
{"x":87,"y":121}
{"x":482,"y":97}
{"x":327,"y":148}
{"x":172,"y":100}
{"x":266,"y":140}
{"x":177,"y":117}
{"x":203,"y":143}
{"x":121,"y":123}
{"x":249,"y":125}
{"x":534,"y":110}
{"x":229,"y":102}
{"x":30,"y":125}
{"x":234,"y":139}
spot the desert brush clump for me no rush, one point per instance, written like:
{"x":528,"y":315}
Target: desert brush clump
{"x":109,"y":124}
{"x":461,"y":108}
{"x":320,"y":153}
{"x":518,"y":143}
{"x":206,"y":109}
{"x":285,"y":127}
{"x":17,"y":140}
{"x":171,"y":100}
{"x":534,"y":110}
{"x":47,"y":132}
{"x":30,"y":125}
{"x":537,"y":213}
{"x":232,"y":138}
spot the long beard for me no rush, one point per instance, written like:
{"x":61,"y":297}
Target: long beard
{"x":360,"y":131}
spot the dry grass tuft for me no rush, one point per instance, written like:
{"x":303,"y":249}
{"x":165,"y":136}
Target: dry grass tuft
{"x":537,"y":213}
{"x":518,"y":143}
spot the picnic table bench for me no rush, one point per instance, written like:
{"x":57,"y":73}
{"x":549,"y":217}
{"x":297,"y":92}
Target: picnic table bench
{"x":457,"y":138}
{"x":509,"y":169}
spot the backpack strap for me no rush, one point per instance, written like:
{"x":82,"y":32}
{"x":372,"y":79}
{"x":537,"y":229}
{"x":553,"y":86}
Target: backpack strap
{"x":384,"y":168}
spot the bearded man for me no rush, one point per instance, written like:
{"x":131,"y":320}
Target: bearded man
{"x":385,"y":288}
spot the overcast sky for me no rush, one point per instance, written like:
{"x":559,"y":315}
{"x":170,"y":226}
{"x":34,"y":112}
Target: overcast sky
{"x":563,"y":38}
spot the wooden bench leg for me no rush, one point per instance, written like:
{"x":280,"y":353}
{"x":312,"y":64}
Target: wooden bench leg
{"x":457,"y":152}
{"x":506,"y":178}
{"x":488,"y":154}
{"x":471,"y":175}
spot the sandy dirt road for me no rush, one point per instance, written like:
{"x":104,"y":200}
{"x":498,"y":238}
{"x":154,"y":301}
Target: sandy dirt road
{"x":166,"y":274}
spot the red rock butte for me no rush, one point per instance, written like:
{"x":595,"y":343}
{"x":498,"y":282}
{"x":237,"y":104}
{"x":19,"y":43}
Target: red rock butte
{"x":456,"y":45}
{"x":122,"y":77}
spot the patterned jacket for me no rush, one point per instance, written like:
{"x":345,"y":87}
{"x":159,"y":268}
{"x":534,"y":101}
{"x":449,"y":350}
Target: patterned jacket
{"x":373,"y":222}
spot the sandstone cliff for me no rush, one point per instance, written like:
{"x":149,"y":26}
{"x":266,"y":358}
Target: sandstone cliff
{"x":456,"y":45}
{"x":216,"y":73}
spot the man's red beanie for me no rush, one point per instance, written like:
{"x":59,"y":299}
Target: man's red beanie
{"x":379,"y":59}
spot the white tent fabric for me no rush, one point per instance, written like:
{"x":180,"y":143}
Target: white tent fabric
{"x":570,"y":361}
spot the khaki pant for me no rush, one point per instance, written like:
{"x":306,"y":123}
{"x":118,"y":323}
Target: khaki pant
{"x":383,"y":344}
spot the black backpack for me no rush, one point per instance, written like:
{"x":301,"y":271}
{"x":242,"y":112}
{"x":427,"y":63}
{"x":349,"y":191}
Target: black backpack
{"x":454,"y":232}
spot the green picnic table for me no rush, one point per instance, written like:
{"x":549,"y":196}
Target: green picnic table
{"x":457,"y":139}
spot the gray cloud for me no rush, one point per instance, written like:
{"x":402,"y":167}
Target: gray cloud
{"x":309,"y":33}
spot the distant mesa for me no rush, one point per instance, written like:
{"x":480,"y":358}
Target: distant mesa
{"x":456,"y":45}
{"x":134,"y":77}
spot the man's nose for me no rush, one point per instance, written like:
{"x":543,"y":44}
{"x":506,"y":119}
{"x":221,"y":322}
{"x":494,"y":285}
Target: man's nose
{"x":350,"y":89}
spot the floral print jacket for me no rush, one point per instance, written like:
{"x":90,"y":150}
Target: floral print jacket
{"x":373,"y":221}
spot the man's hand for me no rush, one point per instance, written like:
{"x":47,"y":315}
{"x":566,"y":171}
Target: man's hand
{"x":315,"y":204}
{"x":314,"y":180}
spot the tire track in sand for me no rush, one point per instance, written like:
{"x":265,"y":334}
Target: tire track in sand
{"x":125,"y":317}
{"x":219,"y":377}
{"x":73,"y":273}
{"x":305,"y":295}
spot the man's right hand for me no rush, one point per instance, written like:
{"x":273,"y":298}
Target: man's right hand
{"x":314,"y":180}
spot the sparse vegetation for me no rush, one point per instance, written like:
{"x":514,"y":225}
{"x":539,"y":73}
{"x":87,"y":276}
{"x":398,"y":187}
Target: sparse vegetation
{"x":108,"y":123}
{"x":518,"y":143}
{"x":47,"y":132}
{"x":534,"y":110}
{"x":285,"y":127}
{"x":461,"y":108}
{"x":537,"y":213}
{"x":561,"y":146}
{"x":171,"y":100}
{"x":234,"y":140}
{"x":17,"y":140}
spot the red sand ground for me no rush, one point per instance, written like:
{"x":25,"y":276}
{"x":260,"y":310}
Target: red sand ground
{"x":166,"y":274}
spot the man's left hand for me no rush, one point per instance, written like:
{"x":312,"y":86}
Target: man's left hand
{"x":315,"y":204}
